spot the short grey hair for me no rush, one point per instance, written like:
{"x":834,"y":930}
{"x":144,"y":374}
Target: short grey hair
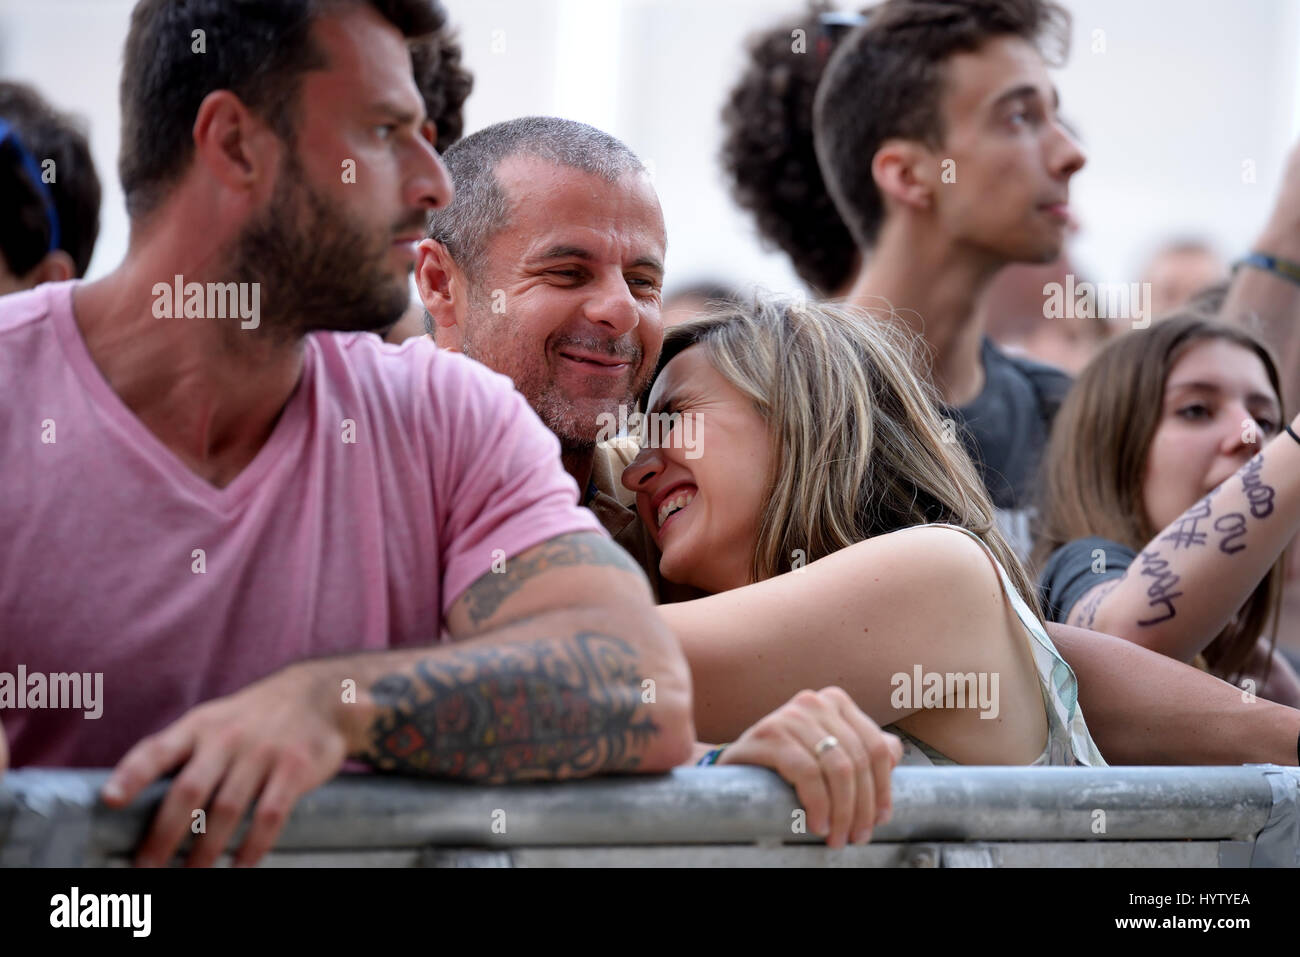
{"x":480,"y":206}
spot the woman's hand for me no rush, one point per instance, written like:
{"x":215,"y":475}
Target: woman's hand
{"x":845,"y":787}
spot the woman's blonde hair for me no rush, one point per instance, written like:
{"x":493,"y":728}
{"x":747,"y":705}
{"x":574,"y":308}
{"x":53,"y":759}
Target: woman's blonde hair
{"x":858,"y":446}
{"x":1095,"y":463}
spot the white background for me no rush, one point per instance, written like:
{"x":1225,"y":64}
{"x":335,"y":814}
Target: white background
{"x":1185,"y":92}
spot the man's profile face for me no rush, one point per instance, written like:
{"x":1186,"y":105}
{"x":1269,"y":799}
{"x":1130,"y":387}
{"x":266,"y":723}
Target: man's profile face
{"x":1011,"y":158}
{"x":336,"y":242}
{"x":567,"y":302}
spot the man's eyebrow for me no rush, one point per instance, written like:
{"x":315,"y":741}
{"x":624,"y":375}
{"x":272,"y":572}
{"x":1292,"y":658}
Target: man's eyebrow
{"x":1026,"y":91}
{"x":400,"y":114}
{"x":564,"y":251}
{"x":648,"y":262}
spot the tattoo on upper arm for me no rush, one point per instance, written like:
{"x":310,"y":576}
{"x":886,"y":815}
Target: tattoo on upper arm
{"x":484,"y":597}
{"x":503,"y":713}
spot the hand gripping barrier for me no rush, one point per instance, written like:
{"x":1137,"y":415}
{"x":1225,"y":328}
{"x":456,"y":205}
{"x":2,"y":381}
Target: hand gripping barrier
{"x":732,"y":816}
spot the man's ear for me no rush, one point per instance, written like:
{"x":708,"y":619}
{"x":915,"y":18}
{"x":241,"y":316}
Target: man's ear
{"x":903,"y":173}
{"x":236,"y":147}
{"x":443,"y":290}
{"x":54,"y":267}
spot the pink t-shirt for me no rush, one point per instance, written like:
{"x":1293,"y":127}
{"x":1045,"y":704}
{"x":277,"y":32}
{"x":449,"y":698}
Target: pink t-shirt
{"x":386,"y":488}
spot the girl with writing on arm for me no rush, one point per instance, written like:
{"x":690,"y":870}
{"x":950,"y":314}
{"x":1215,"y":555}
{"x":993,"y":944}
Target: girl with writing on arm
{"x":809,"y":485}
{"x":1171,"y":489}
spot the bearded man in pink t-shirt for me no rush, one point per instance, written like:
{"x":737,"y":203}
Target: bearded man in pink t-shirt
{"x":246,"y":523}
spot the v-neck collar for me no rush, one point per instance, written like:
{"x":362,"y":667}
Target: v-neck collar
{"x":289,"y":428}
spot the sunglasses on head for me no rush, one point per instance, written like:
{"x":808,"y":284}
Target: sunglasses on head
{"x":831,"y":27}
{"x":9,"y":135}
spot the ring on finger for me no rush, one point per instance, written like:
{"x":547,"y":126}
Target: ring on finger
{"x":825,"y":744}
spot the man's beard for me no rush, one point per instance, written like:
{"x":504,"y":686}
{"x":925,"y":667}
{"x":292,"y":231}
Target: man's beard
{"x":575,"y":421}
{"x":318,"y":268}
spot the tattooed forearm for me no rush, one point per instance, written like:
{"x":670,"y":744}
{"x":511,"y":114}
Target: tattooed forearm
{"x":544,"y":709}
{"x":1161,"y":591}
{"x":485,"y":596}
{"x":1257,"y":493}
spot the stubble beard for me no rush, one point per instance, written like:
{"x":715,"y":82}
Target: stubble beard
{"x":318,"y":268}
{"x":575,"y":422}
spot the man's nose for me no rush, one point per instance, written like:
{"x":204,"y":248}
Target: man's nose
{"x":612,"y":304}
{"x":429,"y":185}
{"x":1067,"y":156}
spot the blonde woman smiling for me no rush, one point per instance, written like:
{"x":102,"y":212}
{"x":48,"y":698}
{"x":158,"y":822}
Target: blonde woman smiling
{"x":844,"y":539}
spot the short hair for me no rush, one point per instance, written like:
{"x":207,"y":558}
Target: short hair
{"x":768,"y":154}
{"x":480,"y":207}
{"x":257,"y":49}
{"x":25,"y":227}
{"x":444,"y":84}
{"x":886,"y":80}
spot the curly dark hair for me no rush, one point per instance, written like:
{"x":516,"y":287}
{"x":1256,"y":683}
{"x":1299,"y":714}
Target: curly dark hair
{"x":444,"y":83}
{"x":768,"y":151}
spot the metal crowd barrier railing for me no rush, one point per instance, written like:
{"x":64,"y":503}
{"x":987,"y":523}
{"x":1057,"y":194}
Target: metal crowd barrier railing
{"x":943,"y":817}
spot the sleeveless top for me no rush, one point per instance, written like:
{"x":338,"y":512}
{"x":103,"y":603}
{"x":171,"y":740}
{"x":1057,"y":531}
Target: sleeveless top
{"x":1068,"y":740}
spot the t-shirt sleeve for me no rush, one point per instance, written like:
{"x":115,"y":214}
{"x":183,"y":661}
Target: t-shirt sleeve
{"x":1076,"y":568}
{"x":503,"y":488}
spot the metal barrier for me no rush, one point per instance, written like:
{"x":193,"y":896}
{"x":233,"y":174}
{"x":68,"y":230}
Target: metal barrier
{"x":732,"y":816}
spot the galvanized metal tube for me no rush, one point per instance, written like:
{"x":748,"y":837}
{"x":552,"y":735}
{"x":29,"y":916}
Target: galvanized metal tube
{"x":54,"y":816}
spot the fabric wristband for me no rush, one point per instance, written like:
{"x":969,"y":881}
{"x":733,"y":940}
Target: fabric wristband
{"x":712,"y":756}
{"x":1283,"y":268}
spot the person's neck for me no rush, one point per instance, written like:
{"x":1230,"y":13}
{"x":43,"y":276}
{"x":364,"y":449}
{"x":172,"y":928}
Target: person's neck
{"x":578,"y":462}
{"x":208,"y":389}
{"x":935,"y":288}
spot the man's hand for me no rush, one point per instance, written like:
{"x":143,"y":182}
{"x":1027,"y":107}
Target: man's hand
{"x":271,"y":742}
{"x":845,"y":789}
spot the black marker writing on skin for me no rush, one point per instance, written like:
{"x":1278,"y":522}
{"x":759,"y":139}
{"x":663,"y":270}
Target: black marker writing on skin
{"x":1259,"y":494}
{"x":1161,"y":591}
{"x":1233,"y":525}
